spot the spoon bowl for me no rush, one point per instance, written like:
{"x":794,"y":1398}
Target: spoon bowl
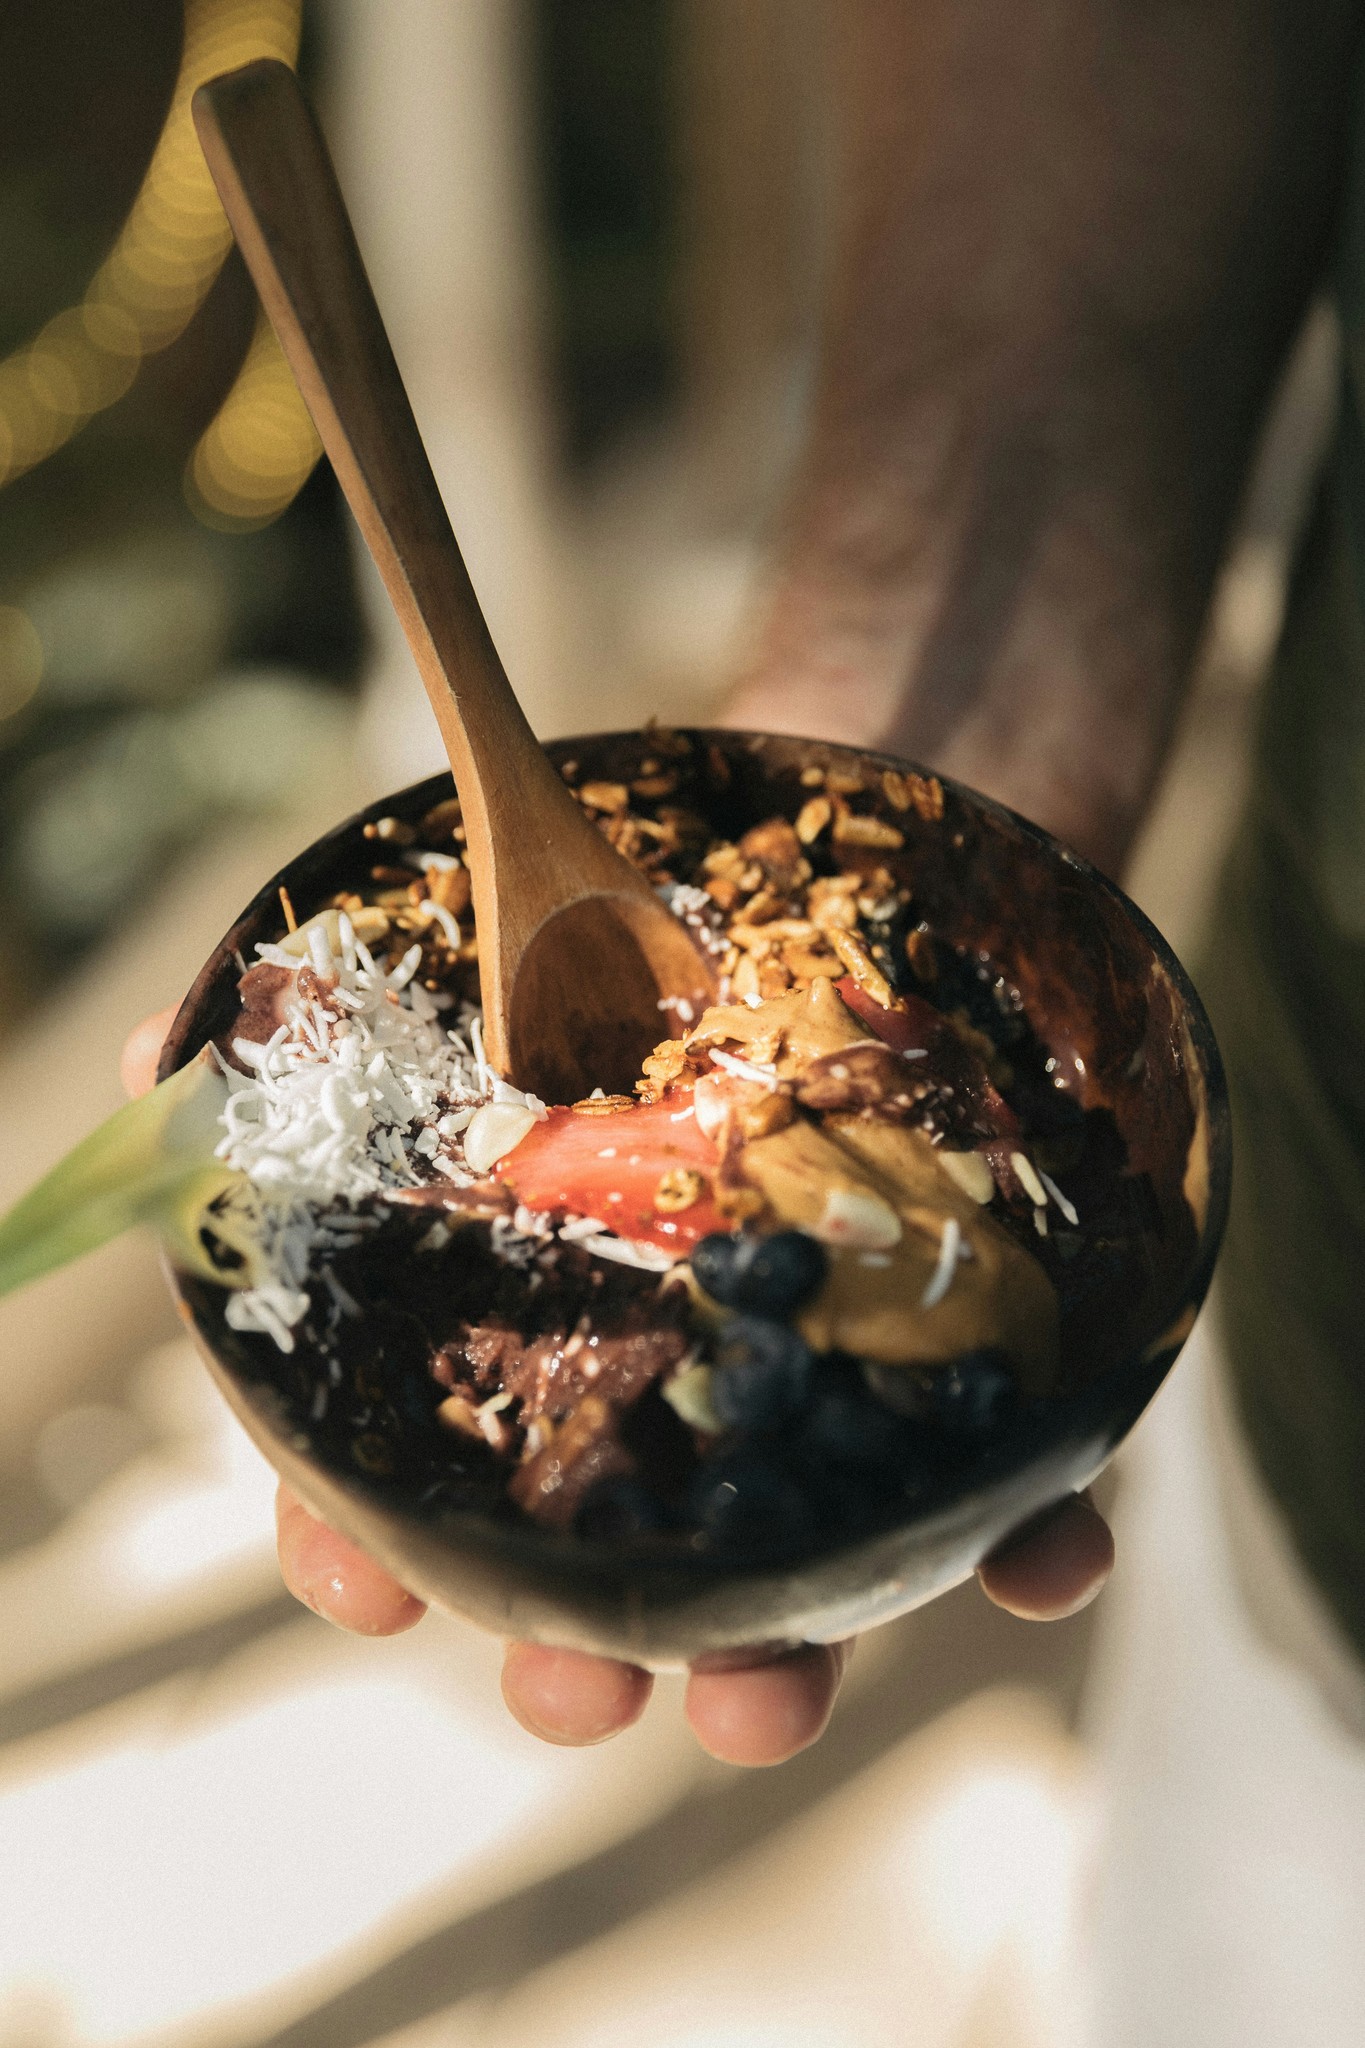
{"x":1128,"y":1035}
{"x":586,"y":1005}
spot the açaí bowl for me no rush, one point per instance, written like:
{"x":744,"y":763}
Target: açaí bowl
{"x":1106,"y":995}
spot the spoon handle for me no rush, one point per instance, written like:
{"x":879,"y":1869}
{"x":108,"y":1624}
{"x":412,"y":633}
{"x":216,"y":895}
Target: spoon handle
{"x":281,"y":196}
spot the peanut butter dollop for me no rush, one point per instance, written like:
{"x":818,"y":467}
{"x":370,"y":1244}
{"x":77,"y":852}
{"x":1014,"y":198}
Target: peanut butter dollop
{"x":919,"y":1272}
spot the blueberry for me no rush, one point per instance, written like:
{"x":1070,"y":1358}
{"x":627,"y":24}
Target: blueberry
{"x":743,"y":1500}
{"x":617,"y":1509}
{"x":844,"y":1425}
{"x":766,"y":1276}
{"x":762,"y":1373}
{"x":416,"y":1398}
{"x":714,"y":1261}
{"x":974,"y":1394}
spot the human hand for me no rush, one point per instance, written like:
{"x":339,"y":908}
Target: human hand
{"x":745,"y":1708}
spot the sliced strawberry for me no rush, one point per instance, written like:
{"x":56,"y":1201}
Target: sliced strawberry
{"x":909,"y":1022}
{"x":610,"y":1167}
{"x":911,"y":1025}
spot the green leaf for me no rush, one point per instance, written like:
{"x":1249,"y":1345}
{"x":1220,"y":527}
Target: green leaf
{"x":152,"y":1162}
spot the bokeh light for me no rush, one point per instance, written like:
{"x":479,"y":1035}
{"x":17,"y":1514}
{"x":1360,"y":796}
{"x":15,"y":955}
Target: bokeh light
{"x":169,"y":251}
{"x":260,"y":449}
{"x":21,"y":659}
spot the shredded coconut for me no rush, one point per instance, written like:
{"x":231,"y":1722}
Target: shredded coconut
{"x":949,"y":1252}
{"x":355,"y":1093}
{"x":328,"y":1101}
{"x":1067,"y":1208}
{"x":578,"y":1229}
{"x":272,"y":1311}
{"x":626,"y":1251}
{"x":745,"y":1070}
{"x":1029,"y":1180}
{"x":698,"y":912}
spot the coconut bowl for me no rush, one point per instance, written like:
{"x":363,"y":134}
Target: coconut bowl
{"x":1130,"y":1038}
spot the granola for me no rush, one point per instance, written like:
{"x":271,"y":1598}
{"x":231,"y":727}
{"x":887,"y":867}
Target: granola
{"x":820,"y":1246}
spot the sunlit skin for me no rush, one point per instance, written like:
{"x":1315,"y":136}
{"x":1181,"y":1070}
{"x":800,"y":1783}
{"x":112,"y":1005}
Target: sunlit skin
{"x":751,"y":1710}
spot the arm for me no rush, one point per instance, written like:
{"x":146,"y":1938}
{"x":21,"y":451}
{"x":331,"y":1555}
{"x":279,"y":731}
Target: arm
{"x":1075,"y":238}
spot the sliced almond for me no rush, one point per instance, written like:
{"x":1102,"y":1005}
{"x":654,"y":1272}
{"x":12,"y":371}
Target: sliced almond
{"x":806,"y":965}
{"x":1028,"y":1179}
{"x":711,"y":1103}
{"x":757,"y":937}
{"x":494,"y":1131}
{"x":746,"y":980}
{"x":450,"y":889}
{"x":604,"y":796}
{"x":394,"y":830}
{"x":853,"y":952}
{"x":831,"y":901}
{"x":812,"y":819}
{"x":859,"y":1219}
{"x":688,"y":1394}
{"x":773,"y":980}
{"x":455,"y":1412}
{"x":971,"y":1174}
{"x":368,"y":924}
{"x":851,"y":830}
{"x":724,"y":860}
{"x":440,"y":823}
{"x":926,"y":796}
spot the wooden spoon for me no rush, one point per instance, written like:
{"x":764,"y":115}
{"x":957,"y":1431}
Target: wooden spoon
{"x":582,"y":967}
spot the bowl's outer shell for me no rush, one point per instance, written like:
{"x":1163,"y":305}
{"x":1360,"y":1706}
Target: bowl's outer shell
{"x":1109,"y":997}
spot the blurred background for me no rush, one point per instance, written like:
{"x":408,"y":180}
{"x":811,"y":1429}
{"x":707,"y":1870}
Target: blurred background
{"x":596,"y":233}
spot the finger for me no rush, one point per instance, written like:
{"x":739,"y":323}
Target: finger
{"x":764,"y":1713}
{"x":1054,"y":1565}
{"x":568,"y":1697}
{"x":142,"y":1050}
{"x":336,"y":1578}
